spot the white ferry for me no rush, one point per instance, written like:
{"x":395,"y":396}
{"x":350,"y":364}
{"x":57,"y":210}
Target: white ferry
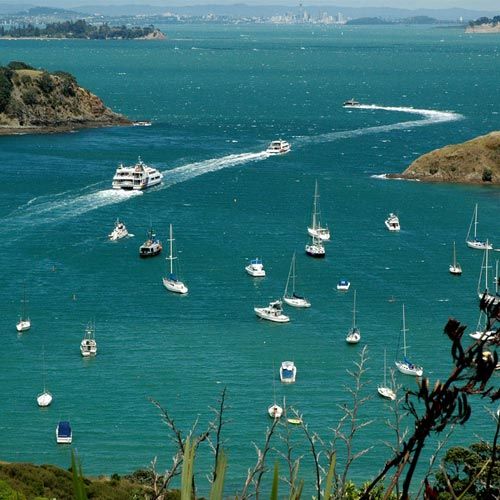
{"x":278,"y":147}
{"x":138,"y":176}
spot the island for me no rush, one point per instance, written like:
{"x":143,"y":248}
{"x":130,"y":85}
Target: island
{"x":36,"y":101}
{"x":484,"y":25}
{"x":82,"y":29}
{"x":473,"y":162}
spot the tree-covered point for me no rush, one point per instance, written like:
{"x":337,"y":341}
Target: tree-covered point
{"x":77,"y":29}
{"x":485,"y":20}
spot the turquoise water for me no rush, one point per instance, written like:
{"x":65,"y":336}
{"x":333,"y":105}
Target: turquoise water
{"x":216,"y":97}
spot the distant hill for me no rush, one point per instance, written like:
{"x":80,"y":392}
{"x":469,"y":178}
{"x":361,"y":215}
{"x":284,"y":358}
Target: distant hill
{"x":476,"y":161}
{"x":35,"y":101}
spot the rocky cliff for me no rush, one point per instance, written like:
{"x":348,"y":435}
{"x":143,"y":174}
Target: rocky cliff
{"x":476,"y":161}
{"x":35,"y":101}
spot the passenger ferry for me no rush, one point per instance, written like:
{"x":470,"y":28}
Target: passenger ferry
{"x":138,"y":176}
{"x":278,"y":147}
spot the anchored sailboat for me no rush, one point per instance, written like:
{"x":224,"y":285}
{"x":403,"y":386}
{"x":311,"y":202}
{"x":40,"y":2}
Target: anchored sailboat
{"x":384,"y":390}
{"x":316,"y":230}
{"x":474,"y":242}
{"x":354,"y":335}
{"x":294,"y":299}
{"x":405,"y":365}
{"x":483,"y":289}
{"x":45,"y":398}
{"x":24,"y":322}
{"x":455,"y":267}
{"x":171,"y":283}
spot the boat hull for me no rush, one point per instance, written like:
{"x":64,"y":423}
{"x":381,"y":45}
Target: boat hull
{"x":255,"y":272}
{"x":315,"y":252}
{"x":386,"y":392}
{"x":153,"y":253}
{"x":175,"y":286}
{"x":456,"y":270}
{"x":23,"y":325}
{"x":479,"y":245}
{"x":275,"y":411}
{"x":44,"y":399}
{"x":296,"y":302}
{"x":406,"y":369}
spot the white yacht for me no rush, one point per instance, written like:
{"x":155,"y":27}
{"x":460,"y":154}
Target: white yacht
{"x":278,"y":147}
{"x":316,"y":230}
{"x":88,"y":346}
{"x":315,"y":248}
{"x":273,"y":312}
{"x":481,"y":332}
{"x":392,"y":222}
{"x":288,"y":372}
{"x":343,"y":285}
{"x":472,"y":240}
{"x":384,"y":390}
{"x":275,"y":411}
{"x":171,"y":282}
{"x":455,"y":268}
{"x":294,"y":299}
{"x":24,"y":322}
{"x":405,"y":365}
{"x":138,"y":176}
{"x":353,"y":335}
{"x":119,"y":232}
{"x":256,"y":268}
{"x":44,"y":398}
{"x":483,"y":288}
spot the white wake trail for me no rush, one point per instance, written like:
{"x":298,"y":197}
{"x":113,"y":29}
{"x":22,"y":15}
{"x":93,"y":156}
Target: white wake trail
{"x":430,"y":117}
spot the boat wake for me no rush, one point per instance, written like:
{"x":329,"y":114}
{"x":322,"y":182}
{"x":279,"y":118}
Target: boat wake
{"x":428,"y":117}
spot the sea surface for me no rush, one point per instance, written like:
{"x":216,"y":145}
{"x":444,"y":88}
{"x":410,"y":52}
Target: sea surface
{"x":216,"y":96}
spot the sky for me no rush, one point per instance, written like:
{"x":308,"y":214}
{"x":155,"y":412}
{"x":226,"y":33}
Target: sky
{"x":492,"y":5}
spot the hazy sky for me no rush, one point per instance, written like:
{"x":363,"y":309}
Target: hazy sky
{"x":493,"y":5}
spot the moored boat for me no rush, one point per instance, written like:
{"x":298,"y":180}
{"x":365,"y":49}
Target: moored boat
{"x":64,"y":434}
{"x":455,"y":268}
{"x":275,"y":411}
{"x":315,"y":248}
{"x":273,"y":312}
{"x":316,"y":230}
{"x":151,"y":247}
{"x":256,"y":268}
{"x":172,"y":282}
{"x":294,"y":299}
{"x":137,"y":177}
{"x":354,"y":334}
{"x":88,"y":345}
{"x":343,"y":285}
{"x":384,"y":390}
{"x":288,"y":372}
{"x":405,"y":365}
{"x":24,"y":322}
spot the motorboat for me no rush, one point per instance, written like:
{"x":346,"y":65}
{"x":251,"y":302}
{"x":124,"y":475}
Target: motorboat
{"x":384,"y":390}
{"x":405,"y":365}
{"x":24,"y":322}
{"x":343,"y":285}
{"x":392,"y":222}
{"x":455,"y":268}
{"x":288,"y":372}
{"x":119,"y":232}
{"x":294,"y":299}
{"x":316,"y":230}
{"x":351,"y":103}
{"x":172,"y":282}
{"x":315,"y":248}
{"x":354,"y":334}
{"x":142,"y":123}
{"x":139,"y":176}
{"x":275,"y":411}
{"x":472,"y":240}
{"x":88,"y":345}
{"x":64,"y":434}
{"x":151,"y":247}
{"x":278,"y":147}
{"x":256,"y":268}
{"x":273,"y":312}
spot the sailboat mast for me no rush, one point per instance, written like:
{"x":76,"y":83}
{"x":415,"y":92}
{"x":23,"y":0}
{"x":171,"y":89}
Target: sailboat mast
{"x":354,"y":311}
{"x":404,"y":332}
{"x":315,"y":205}
{"x":385,"y":367}
{"x":475,"y":222}
{"x":289,"y":274}
{"x":454,"y":256}
{"x":171,"y":257}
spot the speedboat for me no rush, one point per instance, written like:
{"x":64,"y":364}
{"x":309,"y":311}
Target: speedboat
{"x":275,"y":411}
{"x":278,"y":147}
{"x":151,"y":247}
{"x":139,"y":176}
{"x":392,"y":222}
{"x":343,"y":285}
{"x":351,"y":102}
{"x":273,"y":312}
{"x":88,"y":345}
{"x":64,"y":434}
{"x":315,"y":248}
{"x":119,"y":232}
{"x":256,"y":268}
{"x":288,"y":372}
{"x":142,"y":123}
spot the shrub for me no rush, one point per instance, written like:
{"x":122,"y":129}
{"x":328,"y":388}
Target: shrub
{"x":433,"y":170}
{"x":19,"y":65}
{"x":45,"y":83}
{"x":30,"y":97}
{"x":487,"y":175}
{"x":5,"y":87}
{"x":26,"y":79}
